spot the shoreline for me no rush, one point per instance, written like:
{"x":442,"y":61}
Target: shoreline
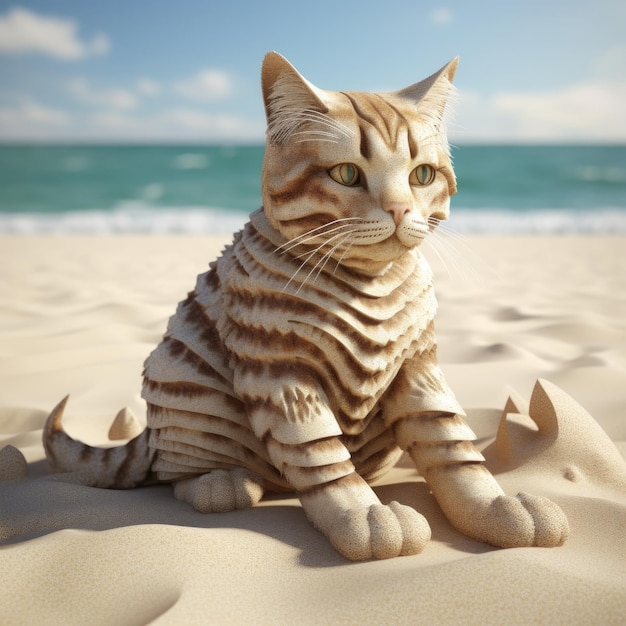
{"x":138,"y":219}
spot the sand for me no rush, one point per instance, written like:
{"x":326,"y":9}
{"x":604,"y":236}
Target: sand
{"x":79,"y":315}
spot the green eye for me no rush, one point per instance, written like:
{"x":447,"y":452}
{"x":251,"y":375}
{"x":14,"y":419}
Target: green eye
{"x":422,"y":175}
{"x":345,"y":174}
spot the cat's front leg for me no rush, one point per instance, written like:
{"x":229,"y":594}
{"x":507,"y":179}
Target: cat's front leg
{"x":303,"y":441}
{"x":470,"y":496}
{"x":440,"y":444}
{"x":340,"y":504}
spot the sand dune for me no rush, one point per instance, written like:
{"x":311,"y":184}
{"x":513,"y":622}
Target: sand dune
{"x":79,"y":315}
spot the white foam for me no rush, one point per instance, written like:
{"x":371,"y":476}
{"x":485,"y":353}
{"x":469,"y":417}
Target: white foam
{"x":547,"y":221}
{"x":192,"y":161}
{"x":137,"y":218}
{"x":126,"y":219}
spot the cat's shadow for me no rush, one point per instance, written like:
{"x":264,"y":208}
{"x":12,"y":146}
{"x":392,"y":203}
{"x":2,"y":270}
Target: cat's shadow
{"x":48,"y":503}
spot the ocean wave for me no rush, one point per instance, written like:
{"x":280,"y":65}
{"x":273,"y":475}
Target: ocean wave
{"x":126,"y":220}
{"x":595,"y":174}
{"x":132,"y":219}
{"x":546,"y":221}
{"x":191,"y":161}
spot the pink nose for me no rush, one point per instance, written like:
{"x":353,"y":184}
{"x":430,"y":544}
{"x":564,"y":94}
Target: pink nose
{"x":398,"y":210}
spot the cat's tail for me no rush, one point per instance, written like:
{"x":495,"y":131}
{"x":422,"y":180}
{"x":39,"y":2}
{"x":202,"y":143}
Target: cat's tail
{"x":120,"y":467}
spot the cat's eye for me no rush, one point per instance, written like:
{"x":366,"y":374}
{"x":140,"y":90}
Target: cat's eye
{"x":422,"y":175}
{"x":346,"y":174}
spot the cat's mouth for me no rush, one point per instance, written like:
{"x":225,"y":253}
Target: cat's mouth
{"x":374,"y":252}
{"x":412,"y":233}
{"x":357,"y":243}
{"x":409,"y":232}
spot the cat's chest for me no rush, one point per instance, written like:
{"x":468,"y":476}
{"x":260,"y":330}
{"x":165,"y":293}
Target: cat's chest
{"x":355,"y":337}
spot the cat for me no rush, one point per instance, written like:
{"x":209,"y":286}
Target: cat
{"x":305,"y":357}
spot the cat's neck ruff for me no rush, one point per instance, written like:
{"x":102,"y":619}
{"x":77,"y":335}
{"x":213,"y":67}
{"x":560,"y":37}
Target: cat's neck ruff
{"x":411,"y":267}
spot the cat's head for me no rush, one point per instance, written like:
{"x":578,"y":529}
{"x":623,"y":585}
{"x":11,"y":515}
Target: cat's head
{"x":360,"y":177}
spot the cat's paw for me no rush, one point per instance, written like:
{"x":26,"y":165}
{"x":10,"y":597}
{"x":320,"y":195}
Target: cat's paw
{"x":379,"y":531}
{"x":524,"y":520}
{"x":220,"y":491}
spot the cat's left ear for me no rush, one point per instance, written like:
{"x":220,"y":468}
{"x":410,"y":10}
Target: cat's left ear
{"x":431,"y":95}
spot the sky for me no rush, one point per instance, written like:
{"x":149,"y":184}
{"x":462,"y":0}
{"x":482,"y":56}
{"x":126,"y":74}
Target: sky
{"x":551,"y":71}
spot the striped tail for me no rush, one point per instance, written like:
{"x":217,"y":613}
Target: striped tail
{"x":121,"y":467}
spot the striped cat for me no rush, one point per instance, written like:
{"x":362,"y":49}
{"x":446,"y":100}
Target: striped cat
{"x":305,"y":358}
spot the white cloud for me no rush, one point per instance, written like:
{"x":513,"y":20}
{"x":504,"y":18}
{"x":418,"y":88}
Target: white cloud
{"x":587,"y":111}
{"x":441,"y":16}
{"x":148,"y":87}
{"x":118,"y":99}
{"x":215,"y":124}
{"x":25,"y":32}
{"x":211,"y":84}
{"x":31,"y":120}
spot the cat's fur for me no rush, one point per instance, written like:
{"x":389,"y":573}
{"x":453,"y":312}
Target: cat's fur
{"x":305,"y":358}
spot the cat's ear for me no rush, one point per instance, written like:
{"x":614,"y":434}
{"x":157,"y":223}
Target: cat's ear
{"x":431,"y":95}
{"x":288,"y":97}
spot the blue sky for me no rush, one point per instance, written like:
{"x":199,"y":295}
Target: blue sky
{"x":188,"y":70}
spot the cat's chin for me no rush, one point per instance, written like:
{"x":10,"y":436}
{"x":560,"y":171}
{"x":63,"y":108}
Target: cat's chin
{"x":411,"y":233}
{"x":376,"y":259}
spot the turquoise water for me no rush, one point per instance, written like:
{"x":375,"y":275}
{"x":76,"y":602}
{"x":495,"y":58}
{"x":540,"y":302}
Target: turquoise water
{"x":213,"y":188}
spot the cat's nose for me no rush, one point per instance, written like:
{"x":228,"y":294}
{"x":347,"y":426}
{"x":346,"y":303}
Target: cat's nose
{"x":398,"y":210}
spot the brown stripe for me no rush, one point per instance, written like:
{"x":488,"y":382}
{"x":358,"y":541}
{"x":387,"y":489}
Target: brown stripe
{"x":310,"y":184}
{"x":379,"y":115}
{"x":413,"y":145}
{"x":342,"y":482}
{"x":364,"y":143}
{"x":345,"y":401}
{"x":212,"y":279}
{"x":137,"y":450}
{"x":310,"y":222}
{"x":178,"y":350}
{"x":390,"y":122}
{"x":306,"y":478}
{"x":175,"y":389}
{"x":315,"y":314}
{"x":283,"y":348}
{"x":196,"y":315}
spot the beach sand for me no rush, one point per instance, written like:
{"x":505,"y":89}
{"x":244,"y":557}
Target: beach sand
{"x":79,"y":315}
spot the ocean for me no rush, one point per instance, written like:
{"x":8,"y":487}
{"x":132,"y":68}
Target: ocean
{"x":212,"y":189}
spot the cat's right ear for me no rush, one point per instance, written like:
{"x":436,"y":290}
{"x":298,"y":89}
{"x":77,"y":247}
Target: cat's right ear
{"x":288,"y":97}
{"x":432,"y":94}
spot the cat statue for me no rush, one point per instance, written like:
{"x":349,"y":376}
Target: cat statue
{"x":305,"y":358}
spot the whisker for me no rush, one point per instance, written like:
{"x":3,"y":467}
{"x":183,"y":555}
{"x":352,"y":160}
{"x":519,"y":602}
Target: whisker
{"x":432,"y":245}
{"x":316,"y":232}
{"x":329,"y":255}
{"x":439,"y":245}
{"x":317,"y":116}
{"x":316,"y":131}
{"x":282,"y":128}
{"x":342,"y":236}
{"x":463,"y":259}
{"x":341,"y":258}
{"x":338,"y":231}
{"x":323,"y":260}
{"x":324,"y":139}
{"x":457,"y":260}
{"x":328,"y":241}
{"x":325,"y":243}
